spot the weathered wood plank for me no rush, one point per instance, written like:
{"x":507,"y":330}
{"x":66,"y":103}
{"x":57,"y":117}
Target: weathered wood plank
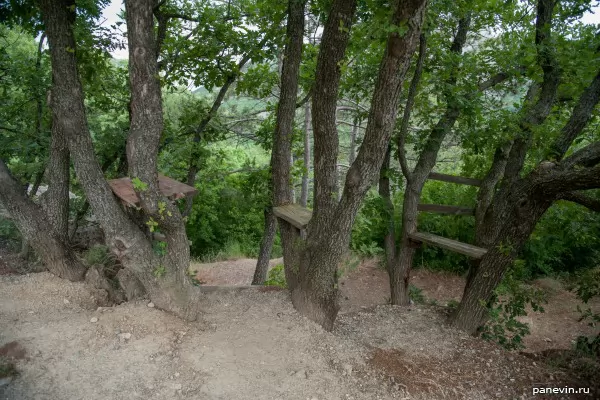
{"x":444,"y":209}
{"x":436,"y":176}
{"x":171,"y":188}
{"x":448,"y":244}
{"x":294,"y":214}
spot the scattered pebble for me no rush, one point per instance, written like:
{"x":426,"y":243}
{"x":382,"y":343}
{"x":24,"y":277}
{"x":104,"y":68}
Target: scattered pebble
{"x":66,"y":301}
{"x":93,"y":320}
{"x":124,"y":336}
{"x":151,"y":305}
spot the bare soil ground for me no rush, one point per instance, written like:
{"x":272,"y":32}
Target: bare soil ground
{"x":251,"y":345}
{"x":368,"y":285}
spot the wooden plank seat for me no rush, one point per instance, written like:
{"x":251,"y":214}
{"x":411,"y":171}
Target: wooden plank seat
{"x":295,"y":214}
{"x":172,"y":189}
{"x":448,"y":244}
{"x":444,"y":209}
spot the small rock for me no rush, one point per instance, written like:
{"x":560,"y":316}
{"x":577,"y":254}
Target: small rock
{"x":31,"y":312}
{"x":93,"y":320}
{"x":301,"y":373}
{"x":547,"y":340}
{"x":151,"y":305}
{"x":5,"y":381}
{"x":176,"y":374}
{"x":177,"y":386}
{"x":124,"y":336}
{"x":66,"y":301}
{"x":347,"y":369}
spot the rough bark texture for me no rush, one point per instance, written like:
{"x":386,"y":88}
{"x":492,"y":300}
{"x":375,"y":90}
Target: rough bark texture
{"x":518,"y":205}
{"x":35,"y":226}
{"x":330,"y":228}
{"x":266,"y":247}
{"x":282,"y":139}
{"x":169,"y":288}
{"x":401,"y":263}
{"x":307,"y":156}
{"x":172,"y":289}
{"x":56,"y":199}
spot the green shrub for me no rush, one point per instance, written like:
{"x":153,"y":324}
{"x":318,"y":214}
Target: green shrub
{"x":99,"y":255}
{"x":510,"y":302}
{"x":276,"y":277}
{"x":416,"y":294}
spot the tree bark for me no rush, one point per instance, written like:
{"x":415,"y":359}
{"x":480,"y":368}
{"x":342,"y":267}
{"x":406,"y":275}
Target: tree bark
{"x":35,"y":226}
{"x":56,"y":199}
{"x":266,"y":247}
{"x":517,"y":207}
{"x":399,"y":270}
{"x":307,"y":157}
{"x":330,"y":228}
{"x":282,"y":139}
{"x":165,"y":277}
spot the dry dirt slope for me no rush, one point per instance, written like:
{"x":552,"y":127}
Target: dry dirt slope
{"x":249,"y":345}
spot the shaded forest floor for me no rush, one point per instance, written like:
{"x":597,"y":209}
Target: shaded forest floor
{"x":253,"y":345}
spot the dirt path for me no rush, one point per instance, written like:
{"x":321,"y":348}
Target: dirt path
{"x":368,"y":285}
{"x":249,"y":345}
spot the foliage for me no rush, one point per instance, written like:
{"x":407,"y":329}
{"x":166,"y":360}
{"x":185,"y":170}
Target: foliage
{"x":369,"y":228}
{"x":276,"y":277}
{"x":98,"y":255}
{"x":416,"y":294}
{"x":7,"y":368}
{"x":159,"y":271}
{"x":588,"y":287}
{"x":511,"y":300}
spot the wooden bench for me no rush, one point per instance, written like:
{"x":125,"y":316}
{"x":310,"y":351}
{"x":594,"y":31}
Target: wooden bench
{"x":448,"y":244}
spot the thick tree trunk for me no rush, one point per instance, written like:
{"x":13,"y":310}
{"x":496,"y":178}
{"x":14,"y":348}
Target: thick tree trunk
{"x":511,"y":228}
{"x":266,"y":247}
{"x":331,"y":225}
{"x":164,"y":278}
{"x":56,"y":198}
{"x":34,"y":225}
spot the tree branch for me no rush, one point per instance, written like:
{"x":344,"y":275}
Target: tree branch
{"x":537,"y":114}
{"x":589,"y":156}
{"x":579,"y":198}
{"x":579,"y":119}
{"x":410,"y":101}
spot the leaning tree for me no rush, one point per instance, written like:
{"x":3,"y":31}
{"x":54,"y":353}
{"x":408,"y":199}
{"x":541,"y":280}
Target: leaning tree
{"x":512,"y":196}
{"x":163,"y":275}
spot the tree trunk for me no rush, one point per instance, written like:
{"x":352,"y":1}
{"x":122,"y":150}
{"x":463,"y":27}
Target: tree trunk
{"x":307,"y":158}
{"x":353,"y":137}
{"x":266,"y":247}
{"x":399,"y":270}
{"x":56,"y":199}
{"x":35,"y":227}
{"x":282,"y":139}
{"x":512,"y":227}
{"x":331,"y":225}
{"x":164,"y":277}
